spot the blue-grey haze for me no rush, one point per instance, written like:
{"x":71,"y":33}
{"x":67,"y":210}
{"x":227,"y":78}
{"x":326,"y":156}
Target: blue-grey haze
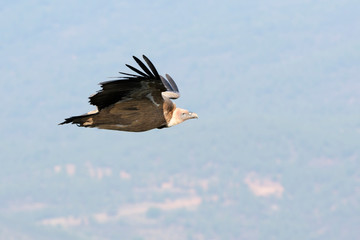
{"x":277,"y":90}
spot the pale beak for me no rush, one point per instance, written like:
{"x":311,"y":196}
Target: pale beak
{"x":193,"y":115}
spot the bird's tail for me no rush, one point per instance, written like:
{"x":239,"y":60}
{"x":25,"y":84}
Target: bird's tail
{"x":85,"y":120}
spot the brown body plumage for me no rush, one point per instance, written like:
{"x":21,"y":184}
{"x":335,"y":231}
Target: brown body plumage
{"x":135,"y":103}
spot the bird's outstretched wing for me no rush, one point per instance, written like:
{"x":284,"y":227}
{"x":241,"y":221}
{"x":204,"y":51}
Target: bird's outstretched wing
{"x":144,"y":84}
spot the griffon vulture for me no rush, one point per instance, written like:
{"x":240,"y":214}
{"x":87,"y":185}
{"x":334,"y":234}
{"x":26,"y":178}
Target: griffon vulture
{"x":135,"y":102}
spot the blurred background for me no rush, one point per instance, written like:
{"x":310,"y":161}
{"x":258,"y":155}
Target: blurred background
{"x":274,"y":154}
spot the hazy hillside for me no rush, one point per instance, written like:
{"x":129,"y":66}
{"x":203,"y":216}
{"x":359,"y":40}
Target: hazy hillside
{"x":273,"y":155}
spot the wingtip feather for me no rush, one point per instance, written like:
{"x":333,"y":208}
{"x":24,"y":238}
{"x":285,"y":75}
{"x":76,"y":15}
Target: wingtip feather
{"x":143,"y":66}
{"x":152,"y":67}
{"x":172,"y":82}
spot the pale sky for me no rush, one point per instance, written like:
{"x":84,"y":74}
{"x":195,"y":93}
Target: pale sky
{"x":276,"y":69}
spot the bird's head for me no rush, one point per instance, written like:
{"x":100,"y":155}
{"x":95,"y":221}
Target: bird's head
{"x":180,"y":115}
{"x":185,"y":114}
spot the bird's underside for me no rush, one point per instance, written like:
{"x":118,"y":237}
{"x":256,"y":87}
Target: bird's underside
{"x":133,"y":116}
{"x":135,"y":103}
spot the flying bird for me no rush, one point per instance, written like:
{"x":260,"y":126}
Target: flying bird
{"x":135,"y":102}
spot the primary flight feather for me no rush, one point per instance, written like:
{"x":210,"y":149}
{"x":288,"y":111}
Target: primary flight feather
{"x":135,"y":102}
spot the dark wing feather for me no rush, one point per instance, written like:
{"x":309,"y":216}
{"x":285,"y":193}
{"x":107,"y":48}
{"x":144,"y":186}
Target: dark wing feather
{"x":133,"y":86}
{"x":143,"y":67}
{"x":166,"y":84}
{"x":172,"y":83}
{"x":152,"y":67}
{"x":128,"y":74}
{"x":136,"y":70}
{"x":172,"y":90}
{"x":114,"y":91}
